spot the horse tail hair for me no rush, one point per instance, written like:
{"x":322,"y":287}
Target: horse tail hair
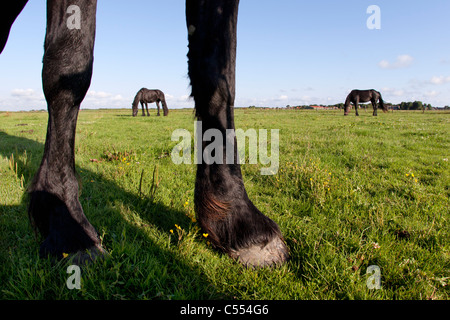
{"x":166,"y":110}
{"x":162,"y":98}
{"x":382,"y":103}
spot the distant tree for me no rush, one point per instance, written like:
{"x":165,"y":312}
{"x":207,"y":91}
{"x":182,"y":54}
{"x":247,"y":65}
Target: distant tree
{"x":405,"y":105}
{"x":417,"y":105}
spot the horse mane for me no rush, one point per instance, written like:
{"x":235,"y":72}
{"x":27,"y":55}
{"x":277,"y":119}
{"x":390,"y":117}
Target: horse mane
{"x":136,"y":100}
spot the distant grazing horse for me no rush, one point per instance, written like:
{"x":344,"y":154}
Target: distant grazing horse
{"x":145,"y":96}
{"x":223,"y":207}
{"x":357,"y":96}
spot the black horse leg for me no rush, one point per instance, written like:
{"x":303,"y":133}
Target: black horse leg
{"x":224,"y":210}
{"x":67,"y":68}
{"x":374,"y":104}
{"x":356,"y":105}
{"x":143,"y":109}
{"x":146,"y":108}
{"x":157,"y":105}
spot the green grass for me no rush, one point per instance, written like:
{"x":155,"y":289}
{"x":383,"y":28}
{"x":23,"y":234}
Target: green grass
{"x":350,"y":192}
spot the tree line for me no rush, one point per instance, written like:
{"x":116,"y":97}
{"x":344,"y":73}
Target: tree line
{"x":416,"y":105}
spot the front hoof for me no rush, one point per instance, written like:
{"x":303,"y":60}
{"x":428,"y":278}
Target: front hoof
{"x":88,"y":256}
{"x":273,"y":253}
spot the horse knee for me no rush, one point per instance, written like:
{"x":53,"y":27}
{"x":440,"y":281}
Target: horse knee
{"x":68,"y":56}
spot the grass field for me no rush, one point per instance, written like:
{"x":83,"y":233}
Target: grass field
{"x":350,"y":193}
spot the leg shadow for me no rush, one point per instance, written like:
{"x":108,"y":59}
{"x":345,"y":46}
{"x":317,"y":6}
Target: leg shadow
{"x":140,"y":266}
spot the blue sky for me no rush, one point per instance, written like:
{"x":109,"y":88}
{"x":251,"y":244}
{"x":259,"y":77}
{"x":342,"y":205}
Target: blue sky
{"x":289,"y":52}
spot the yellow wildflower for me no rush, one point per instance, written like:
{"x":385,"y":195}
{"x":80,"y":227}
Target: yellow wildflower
{"x":65,"y":255}
{"x":205,"y":235}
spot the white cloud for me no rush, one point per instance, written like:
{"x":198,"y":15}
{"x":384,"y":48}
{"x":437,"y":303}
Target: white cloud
{"x":97,"y":94}
{"x":185,"y":98}
{"x":23,"y":99}
{"x":27,"y":95}
{"x":101,"y":99}
{"x":403,"y":61}
{"x":393,"y":92}
{"x":431,"y":94}
{"x":23,"y":93}
{"x":102,"y":95}
{"x":439,"y":80}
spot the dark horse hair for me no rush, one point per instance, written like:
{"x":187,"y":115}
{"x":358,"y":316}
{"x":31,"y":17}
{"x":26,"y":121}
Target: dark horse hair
{"x":361,"y":96}
{"x":223,"y":208}
{"x":145,"y":96}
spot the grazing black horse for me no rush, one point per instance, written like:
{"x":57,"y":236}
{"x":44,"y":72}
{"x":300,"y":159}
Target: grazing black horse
{"x":357,"y":96}
{"x":223,"y":207}
{"x":145,"y":96}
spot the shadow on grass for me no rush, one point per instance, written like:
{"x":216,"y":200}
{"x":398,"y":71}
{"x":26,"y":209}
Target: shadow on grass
{"x":140,"y":266}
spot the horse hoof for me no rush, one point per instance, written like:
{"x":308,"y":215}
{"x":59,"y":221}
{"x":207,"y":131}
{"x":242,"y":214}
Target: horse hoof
{"x":88,"y":256}
{"x":273,"y":253}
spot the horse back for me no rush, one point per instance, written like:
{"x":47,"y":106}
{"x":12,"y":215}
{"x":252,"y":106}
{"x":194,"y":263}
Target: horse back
{"x":364,"y":95}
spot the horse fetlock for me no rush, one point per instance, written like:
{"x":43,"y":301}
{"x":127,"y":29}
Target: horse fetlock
{"x":274,"y":253}
{"x":87,"y":256}
{"x":239,"y":229}
{"x":62,"y":225}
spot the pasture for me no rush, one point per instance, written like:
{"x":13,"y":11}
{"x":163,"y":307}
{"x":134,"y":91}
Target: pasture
{"x":350,"y":192}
